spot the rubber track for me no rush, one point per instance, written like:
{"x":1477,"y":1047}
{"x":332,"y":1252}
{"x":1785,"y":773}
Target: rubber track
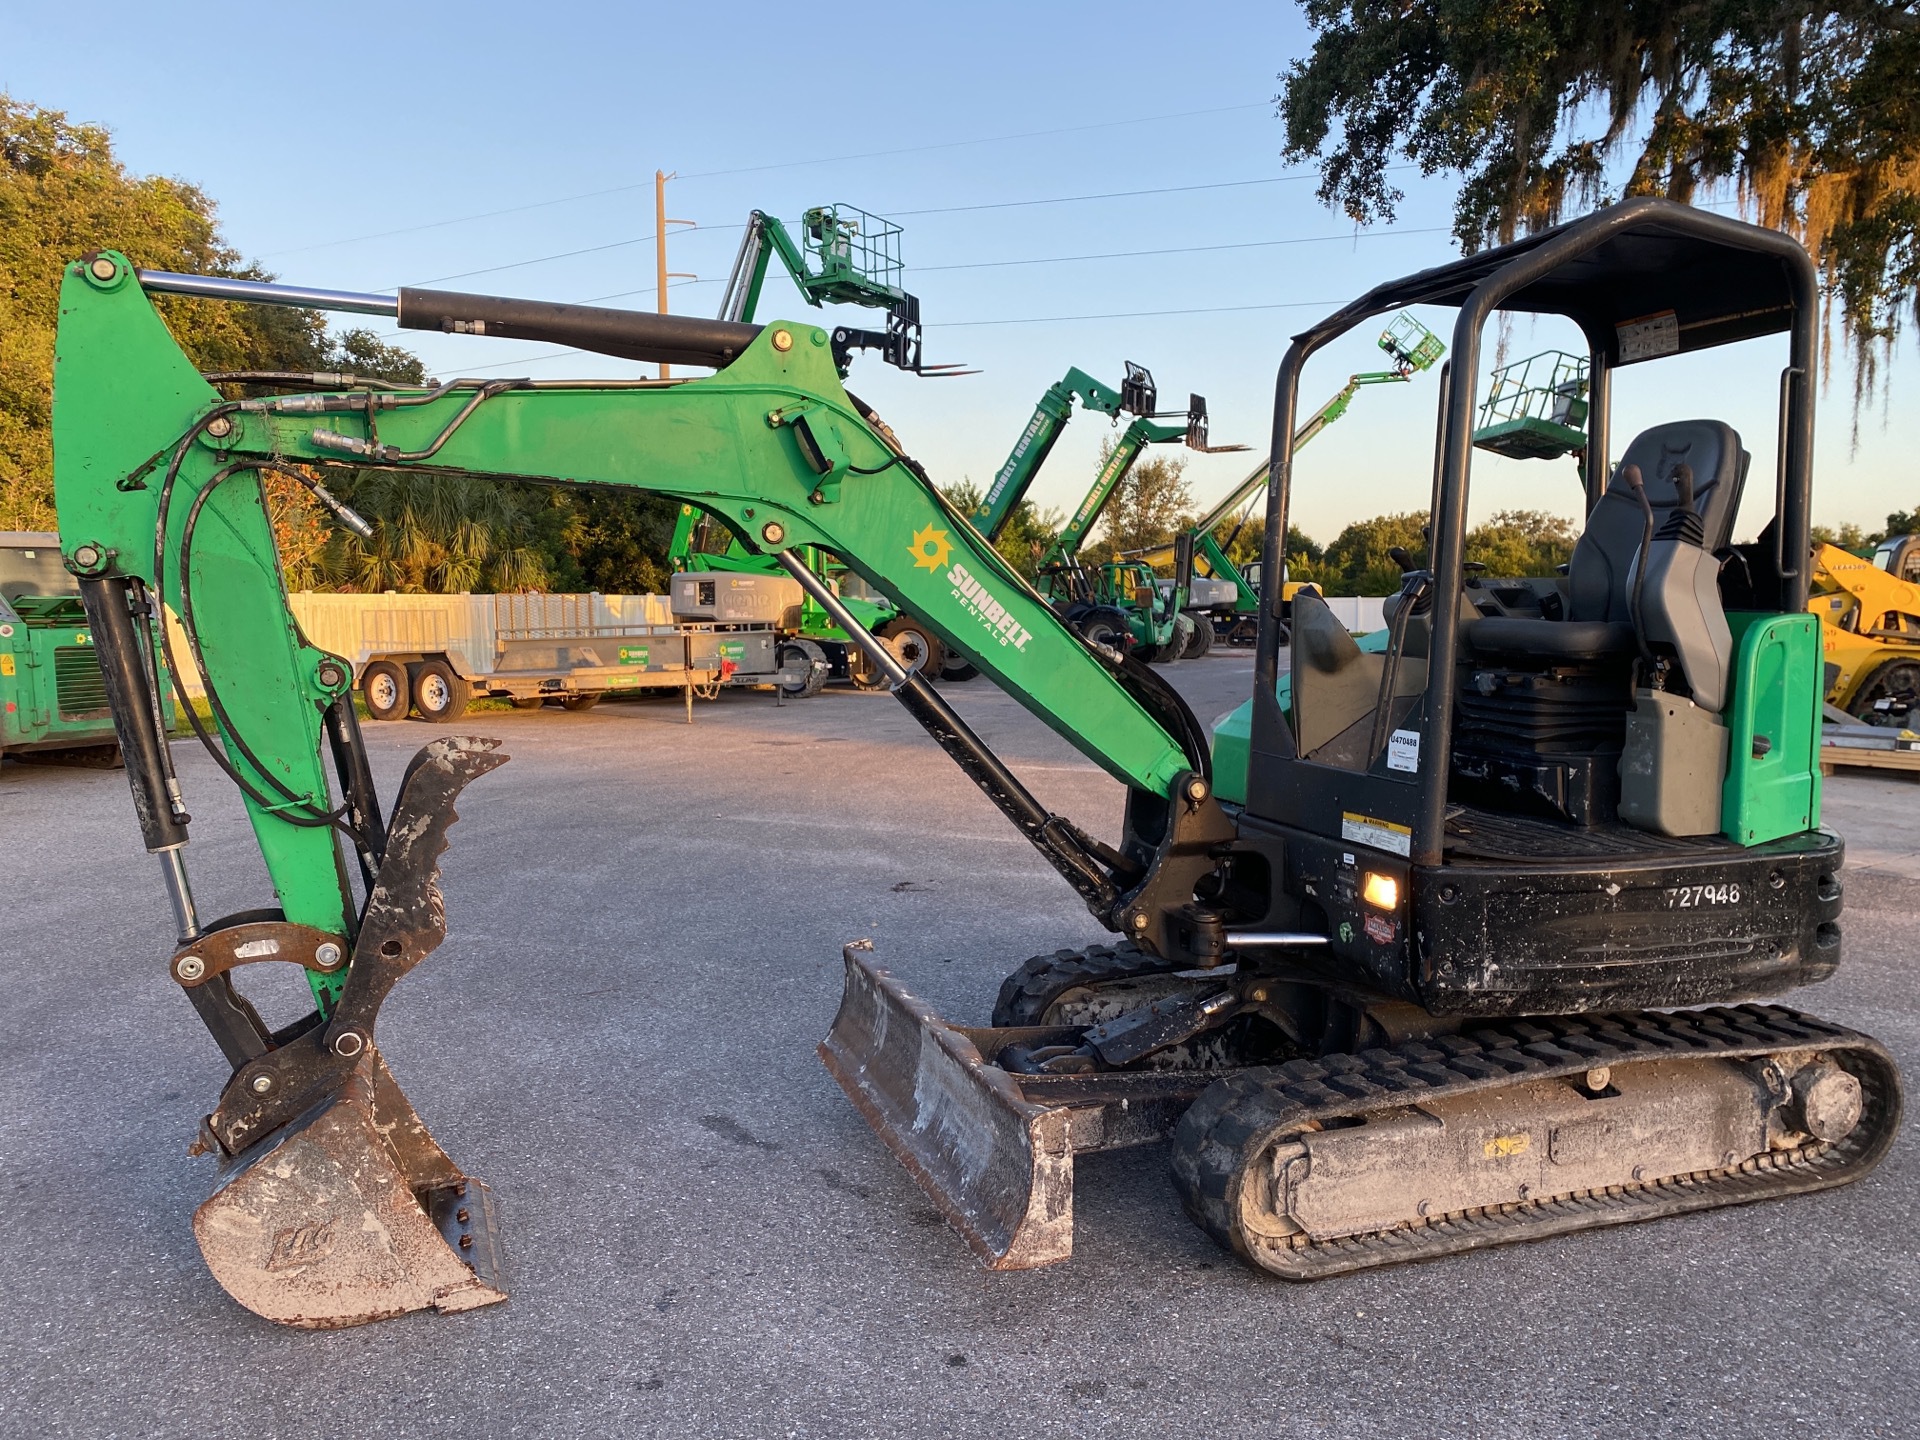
{"x":1230,"y":1130}
{"x":1028,"y":991}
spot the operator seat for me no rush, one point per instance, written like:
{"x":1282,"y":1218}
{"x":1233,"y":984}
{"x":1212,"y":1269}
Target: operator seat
{"x":1599,"y":621}
{"x":1541,"y":715}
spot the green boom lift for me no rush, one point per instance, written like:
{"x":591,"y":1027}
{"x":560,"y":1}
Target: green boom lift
{"x":1434,"y":979}
{"x":844,"y":256}
{"x":1234,"y":617}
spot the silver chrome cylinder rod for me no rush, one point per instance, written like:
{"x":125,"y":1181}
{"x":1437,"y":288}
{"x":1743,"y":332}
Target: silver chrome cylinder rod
{"x":1263,"y":939}
{"x":259,"y":292}
{"x":173,"y":873}
{"x":875,"y":648}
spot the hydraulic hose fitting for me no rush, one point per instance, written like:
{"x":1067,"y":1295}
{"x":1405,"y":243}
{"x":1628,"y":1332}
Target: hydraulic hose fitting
{"x":352,"y":445}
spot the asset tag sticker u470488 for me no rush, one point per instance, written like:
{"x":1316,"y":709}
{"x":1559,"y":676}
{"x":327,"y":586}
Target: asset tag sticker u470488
{"x":1403,"y":751}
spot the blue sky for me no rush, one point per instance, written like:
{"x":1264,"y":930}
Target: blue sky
{"x":365,"y":147}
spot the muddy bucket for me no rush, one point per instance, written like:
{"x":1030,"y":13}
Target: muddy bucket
{"x":350,"y":1213}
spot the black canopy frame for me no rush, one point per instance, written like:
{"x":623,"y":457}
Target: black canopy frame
{"x":1696,"y":279}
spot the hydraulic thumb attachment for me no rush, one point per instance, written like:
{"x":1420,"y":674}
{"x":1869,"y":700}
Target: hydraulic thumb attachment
{"x":335,"y":1205}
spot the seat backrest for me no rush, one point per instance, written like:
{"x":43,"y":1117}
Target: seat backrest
{"x":1711,"y":448}
{"x":1597,"y":573}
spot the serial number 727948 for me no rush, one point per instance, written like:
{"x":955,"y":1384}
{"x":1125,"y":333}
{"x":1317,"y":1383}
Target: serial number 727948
{"x":1694,"y":897}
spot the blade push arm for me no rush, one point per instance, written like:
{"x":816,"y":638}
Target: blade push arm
{"x":158,"y":484}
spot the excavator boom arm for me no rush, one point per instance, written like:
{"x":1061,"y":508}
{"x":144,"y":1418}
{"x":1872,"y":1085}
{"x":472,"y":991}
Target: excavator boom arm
{"x":158,"y":484}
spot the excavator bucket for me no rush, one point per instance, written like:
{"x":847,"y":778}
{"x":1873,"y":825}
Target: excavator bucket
{"x":335,"y":1206}
{"x":351,"y":1213}
{"x":993,"y":1149}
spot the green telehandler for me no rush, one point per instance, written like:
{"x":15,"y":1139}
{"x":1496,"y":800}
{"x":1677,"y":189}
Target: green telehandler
{"x":1472,"y":956}
{"x":843,"y":256}
{"x":1230,"y":610}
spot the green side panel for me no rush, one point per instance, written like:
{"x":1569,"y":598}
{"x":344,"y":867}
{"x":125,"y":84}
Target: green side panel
{"x":1776,"y":697}
{"x":1232,"y":752}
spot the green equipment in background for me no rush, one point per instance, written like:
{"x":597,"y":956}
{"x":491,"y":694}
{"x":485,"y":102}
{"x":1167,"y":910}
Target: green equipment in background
{"x":53,"y":699}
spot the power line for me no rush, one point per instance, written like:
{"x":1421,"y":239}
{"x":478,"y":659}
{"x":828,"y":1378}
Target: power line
{"x":1067,"y":259}
{"x":983,"y":140}
{"x":1011,"y":320}
{"x":1118,"y":194}
{"x":756,"y":169}
{"x":1127,"y":314}
{"x":915,"y":214}
{"x":1184,"y":249}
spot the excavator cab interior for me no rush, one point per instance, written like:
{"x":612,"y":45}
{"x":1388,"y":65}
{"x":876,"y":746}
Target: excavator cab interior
{"x":1657,"y":700}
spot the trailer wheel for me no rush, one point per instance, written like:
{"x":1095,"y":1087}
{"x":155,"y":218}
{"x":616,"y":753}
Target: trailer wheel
{"x":580,"y":702}
{"x":917,"y":646}
{"x":383,"y":685}
{"x":957,"y":669}
{"x":802,"y":668}
{"x":527,"y":702}
{"x":439,"y":695}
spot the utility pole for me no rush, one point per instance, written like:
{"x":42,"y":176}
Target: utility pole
{"x":660,"y":224}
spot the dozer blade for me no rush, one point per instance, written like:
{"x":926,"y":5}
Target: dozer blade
{"x":992,"y":1149}
{"x":999,"y":1167}
{"x":335,"y":1205}
{"x":350,"y":1214}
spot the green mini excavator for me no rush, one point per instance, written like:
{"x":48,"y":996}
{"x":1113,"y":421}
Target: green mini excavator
{"x":1479,"y":949}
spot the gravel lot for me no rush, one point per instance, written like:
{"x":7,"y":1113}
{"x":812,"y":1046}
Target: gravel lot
{"x":703,"y":1238}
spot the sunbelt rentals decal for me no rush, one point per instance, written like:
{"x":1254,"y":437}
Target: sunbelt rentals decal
{"x":933,"y":550}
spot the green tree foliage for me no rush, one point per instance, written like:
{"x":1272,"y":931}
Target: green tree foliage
{"x":1522,"y":542}
{"x":1148,"y":506}
{"x":1027,"y":533}
{"x":1358,"y":562}
{"x":1807,"y":110}
{"x":435,"y":534}
{"x":63,"y":194}
{"x":1246,"y":543}
{"x":615,"y":543}
{"x":1848,"y":536}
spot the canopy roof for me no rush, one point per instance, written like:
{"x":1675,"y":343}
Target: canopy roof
{"x":1642,"y":278}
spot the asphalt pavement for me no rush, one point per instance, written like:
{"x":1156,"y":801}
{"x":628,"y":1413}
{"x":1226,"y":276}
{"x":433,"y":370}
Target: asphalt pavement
{"x":704,"y":1239}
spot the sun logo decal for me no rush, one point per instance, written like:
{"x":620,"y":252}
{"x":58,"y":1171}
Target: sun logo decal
{"x":930,"y":548}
